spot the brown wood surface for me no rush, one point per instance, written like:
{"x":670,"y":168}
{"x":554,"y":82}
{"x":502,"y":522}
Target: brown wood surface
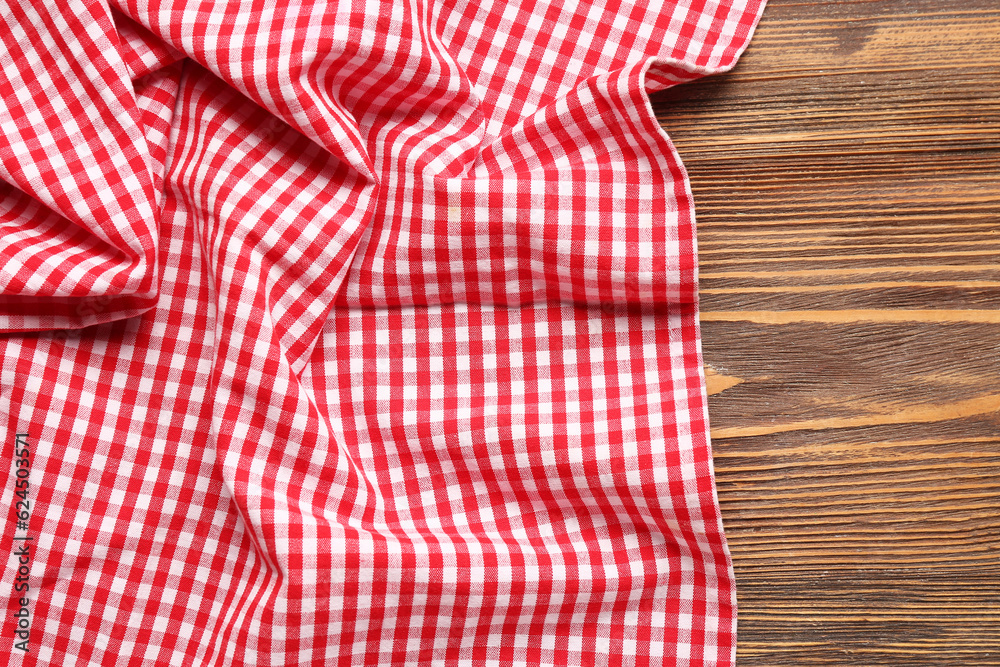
{"x":847,"y":182}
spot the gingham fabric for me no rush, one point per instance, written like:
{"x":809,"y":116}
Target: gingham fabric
{"x":355,"y":333}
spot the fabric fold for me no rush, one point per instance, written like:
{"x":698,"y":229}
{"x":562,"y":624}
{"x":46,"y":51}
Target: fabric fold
{"x":78,"y":203}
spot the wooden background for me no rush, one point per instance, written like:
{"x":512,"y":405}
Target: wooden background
{"x":847,"y":182}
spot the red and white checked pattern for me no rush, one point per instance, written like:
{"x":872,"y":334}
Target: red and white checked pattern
{"x":358,"y":332}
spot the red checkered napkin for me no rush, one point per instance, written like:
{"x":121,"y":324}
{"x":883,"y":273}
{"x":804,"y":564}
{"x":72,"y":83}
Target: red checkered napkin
{"x":355,"y":333}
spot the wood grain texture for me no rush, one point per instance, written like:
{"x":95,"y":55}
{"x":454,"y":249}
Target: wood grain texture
{"x":847,"y":182}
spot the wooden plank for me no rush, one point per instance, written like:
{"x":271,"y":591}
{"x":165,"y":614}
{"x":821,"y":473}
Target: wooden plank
{"x":847,"y":183}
